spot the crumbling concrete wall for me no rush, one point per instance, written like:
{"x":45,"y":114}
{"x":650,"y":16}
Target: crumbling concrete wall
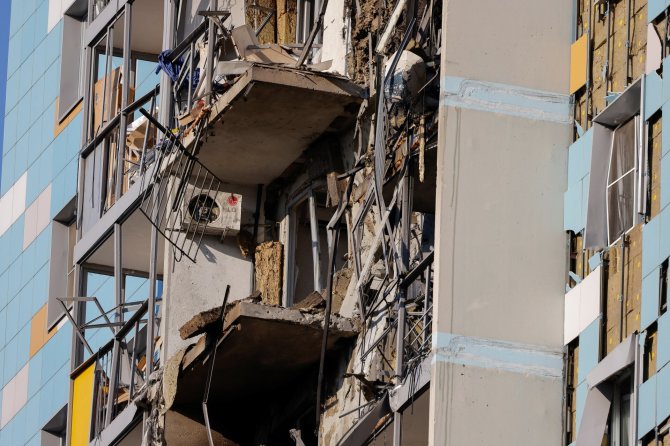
{"x":336,"y":32}
{"x":193,"y":287}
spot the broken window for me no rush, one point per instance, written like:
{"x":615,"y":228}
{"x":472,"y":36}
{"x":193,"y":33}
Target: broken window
{"x":618,"y":430}
{"x":72,"y":56}
{"x":61,"y":266}
{"x":620,"y":198}
{"x":308,"y":246}
{"x":649,"y":356}
{"x":307,"y":16}
{"x":663,"y":292}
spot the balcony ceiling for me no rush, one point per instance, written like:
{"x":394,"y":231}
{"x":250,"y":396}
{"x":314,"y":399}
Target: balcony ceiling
{"x":264,"y":359}
{"x":269,"y":116}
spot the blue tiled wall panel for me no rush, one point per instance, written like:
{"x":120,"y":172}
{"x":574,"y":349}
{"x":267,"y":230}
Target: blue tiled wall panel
{"x":663,"y":346}
{"x":651,"y":238}
{"x":582,"y":390}
{"x":573,"y":208}
{"x":653,"y":94}
{"x":662,"y":394}
{"x":650,"y":298}
{"x":33,"y":77}
{"x":647,"y":406}
{"x":655,"y":8}
{"x":589,"y":342}
{"x":579,"y":157}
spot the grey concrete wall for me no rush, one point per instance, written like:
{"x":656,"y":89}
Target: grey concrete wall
{"x":193,"y":287}
{"x":500,"y":265}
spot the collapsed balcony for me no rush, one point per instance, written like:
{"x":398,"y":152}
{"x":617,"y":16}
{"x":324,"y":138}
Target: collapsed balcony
{"x":264,"y":367}
{"x":240,"y":164}
{"x":260,"y":114}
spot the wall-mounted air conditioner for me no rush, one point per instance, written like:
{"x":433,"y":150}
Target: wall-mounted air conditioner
{"x":217,"y":212}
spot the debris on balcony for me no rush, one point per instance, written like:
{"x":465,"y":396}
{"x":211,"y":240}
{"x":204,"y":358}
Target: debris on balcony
{"x":260,"y":348}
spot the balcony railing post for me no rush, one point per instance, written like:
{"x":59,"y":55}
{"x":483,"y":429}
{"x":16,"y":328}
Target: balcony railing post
{"x":152,"y":294}
{"x":113,"y":379}
{"x":133,"y":357}
{"x":125,"y":88}
{"x":209,"y":64}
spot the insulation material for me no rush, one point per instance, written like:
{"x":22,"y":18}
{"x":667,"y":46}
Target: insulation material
{"x":269,"y":269}
{"x":655,"y":142}
{"x":624,"y":289}
{"x":286,"y":21}
{"x":654,"y":50}
{"x":582,"y":305}
{"x":256,"y":11}
{"x":578,"y":58}
{"x":572,"y":372}
{"x":609,"y":71}
{"x":633,"y":281}
{"x":594,"y":420}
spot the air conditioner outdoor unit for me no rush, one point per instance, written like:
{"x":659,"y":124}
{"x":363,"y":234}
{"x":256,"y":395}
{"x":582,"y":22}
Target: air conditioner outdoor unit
{"x":216,"y":212}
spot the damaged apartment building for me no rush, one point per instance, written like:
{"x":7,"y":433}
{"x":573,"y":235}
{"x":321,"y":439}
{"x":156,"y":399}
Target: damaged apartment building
{"x":333,"y":222}
{"x":617,"y":332}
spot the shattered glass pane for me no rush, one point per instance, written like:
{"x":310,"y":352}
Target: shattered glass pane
{"x":621,"y":206}
{"x":623,"y":151}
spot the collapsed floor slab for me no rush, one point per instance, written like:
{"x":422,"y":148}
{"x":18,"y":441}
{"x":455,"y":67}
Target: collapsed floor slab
{"x":266,"y":357}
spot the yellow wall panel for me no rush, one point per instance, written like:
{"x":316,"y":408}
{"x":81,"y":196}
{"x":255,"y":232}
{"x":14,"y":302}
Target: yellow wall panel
{"x":38,"y":331}
{"x":82,"y":403}
{"x":578,"y":64}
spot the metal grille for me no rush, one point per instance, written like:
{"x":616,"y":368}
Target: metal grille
{"x":177,"y":180}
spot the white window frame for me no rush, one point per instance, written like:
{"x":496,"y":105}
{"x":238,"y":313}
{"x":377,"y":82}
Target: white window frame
{"x":613,"y":182}
{"x":71,"y":88}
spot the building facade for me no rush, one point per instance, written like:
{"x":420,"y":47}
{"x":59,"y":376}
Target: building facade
{"x":334,"y":222}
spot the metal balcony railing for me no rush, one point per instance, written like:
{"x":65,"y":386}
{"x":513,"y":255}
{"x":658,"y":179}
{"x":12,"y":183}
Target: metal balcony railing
{"x":419,"y":313}
{"x":121,"y":367}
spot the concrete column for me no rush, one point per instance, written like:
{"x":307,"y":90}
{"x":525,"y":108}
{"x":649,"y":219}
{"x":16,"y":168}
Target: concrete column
{"x":504,"y":124}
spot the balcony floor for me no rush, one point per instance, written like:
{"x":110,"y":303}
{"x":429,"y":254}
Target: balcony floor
{"x":269,"y":116}
{"x":262,"y":361}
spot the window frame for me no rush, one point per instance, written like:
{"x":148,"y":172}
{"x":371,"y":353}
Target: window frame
{"x":71,"y":62}
{"x":623,"y":390}
{"x":62,"y":279}
{"x":633,"y":171}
